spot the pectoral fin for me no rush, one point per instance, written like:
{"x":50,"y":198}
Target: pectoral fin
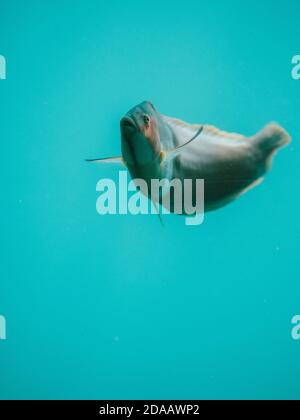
{"x":172,"y":153}
{"x":116,"y":160}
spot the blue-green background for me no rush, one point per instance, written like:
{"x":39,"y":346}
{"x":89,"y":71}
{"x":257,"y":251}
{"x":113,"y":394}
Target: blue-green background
{"x":116,"y":306}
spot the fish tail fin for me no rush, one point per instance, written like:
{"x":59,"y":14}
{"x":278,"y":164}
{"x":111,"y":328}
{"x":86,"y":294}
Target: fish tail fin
{"x":271,"y":138}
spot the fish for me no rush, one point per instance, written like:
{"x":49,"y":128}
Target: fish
{"x":155,"y":146}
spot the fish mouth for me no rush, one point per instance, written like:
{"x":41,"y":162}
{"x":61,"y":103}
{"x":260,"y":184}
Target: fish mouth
{"x":128,"y":123}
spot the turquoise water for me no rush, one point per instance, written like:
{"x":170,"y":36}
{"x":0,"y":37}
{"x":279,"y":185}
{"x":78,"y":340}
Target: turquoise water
{"x":117,"y":306}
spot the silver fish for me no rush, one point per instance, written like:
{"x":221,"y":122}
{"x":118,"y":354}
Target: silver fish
{"x":155,"y":146}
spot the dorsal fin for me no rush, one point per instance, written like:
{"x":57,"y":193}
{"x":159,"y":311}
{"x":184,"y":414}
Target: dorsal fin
{"x":210,"y":129}
{"x":183,"y":130}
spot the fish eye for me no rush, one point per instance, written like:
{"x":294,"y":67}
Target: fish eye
{"x":146,"y":119}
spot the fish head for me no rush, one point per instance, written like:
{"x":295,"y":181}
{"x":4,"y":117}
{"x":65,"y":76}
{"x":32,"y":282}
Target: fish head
{"x":140,"y":135}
